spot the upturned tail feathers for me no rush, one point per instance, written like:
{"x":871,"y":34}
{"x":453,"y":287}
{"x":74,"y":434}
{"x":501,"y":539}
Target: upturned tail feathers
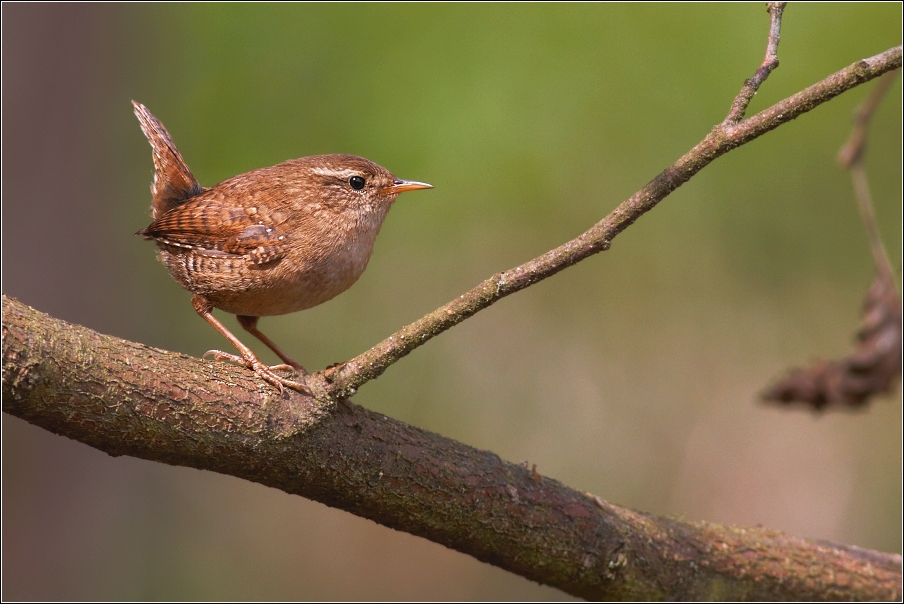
{"x":173,"y":181}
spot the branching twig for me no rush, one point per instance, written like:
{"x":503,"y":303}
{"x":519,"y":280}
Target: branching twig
{"x":770,"y":62}
{"x":347,"y":378}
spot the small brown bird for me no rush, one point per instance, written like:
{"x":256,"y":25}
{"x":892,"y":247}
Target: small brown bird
{"x":267,"y":242}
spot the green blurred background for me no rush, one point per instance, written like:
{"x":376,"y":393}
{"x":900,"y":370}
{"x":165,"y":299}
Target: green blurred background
{"x":633,"y":375}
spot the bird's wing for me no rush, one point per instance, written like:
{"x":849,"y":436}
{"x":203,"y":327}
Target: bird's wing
{"x":214,"y":227}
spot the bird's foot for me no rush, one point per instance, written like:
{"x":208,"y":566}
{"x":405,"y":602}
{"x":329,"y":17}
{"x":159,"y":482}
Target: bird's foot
{"x":267,"y":372}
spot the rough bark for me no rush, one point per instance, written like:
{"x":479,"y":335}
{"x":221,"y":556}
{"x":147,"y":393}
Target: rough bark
{"x":129,"y":399}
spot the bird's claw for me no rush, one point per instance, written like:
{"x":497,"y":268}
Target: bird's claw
{"x":264,"y":371}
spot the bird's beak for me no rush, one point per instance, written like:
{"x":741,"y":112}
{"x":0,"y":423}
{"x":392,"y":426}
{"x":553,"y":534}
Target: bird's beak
{"x":400,"y":186}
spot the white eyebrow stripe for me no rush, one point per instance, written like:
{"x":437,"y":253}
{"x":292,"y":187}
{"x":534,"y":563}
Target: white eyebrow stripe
{"x":336,"y":173}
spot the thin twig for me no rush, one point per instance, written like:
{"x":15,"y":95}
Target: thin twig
{"x":851,"y":157}
{"x":865,"y":205}
{"x":852,"y":150}
{"x":770,"y":62}
{"x":344,"y":380}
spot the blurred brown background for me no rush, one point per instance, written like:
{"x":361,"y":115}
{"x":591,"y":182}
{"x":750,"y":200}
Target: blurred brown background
{"x":633,"y":375}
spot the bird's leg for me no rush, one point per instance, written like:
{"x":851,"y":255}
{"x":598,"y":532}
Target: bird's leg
{"x":245,"y":357}
{"x":250,"y":325}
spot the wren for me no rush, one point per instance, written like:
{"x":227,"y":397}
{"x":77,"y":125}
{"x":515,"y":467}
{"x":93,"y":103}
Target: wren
{"x":267,"y":242}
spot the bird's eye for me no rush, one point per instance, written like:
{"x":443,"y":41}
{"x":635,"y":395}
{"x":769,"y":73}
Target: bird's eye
{"x":356,"y":182}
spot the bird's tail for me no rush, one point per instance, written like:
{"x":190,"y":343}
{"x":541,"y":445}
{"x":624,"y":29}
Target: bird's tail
{"x":173,"y":181}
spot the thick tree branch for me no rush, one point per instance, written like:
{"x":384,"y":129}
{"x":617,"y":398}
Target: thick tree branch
{"x":129,"y":399}
{"x":347,"y":378}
